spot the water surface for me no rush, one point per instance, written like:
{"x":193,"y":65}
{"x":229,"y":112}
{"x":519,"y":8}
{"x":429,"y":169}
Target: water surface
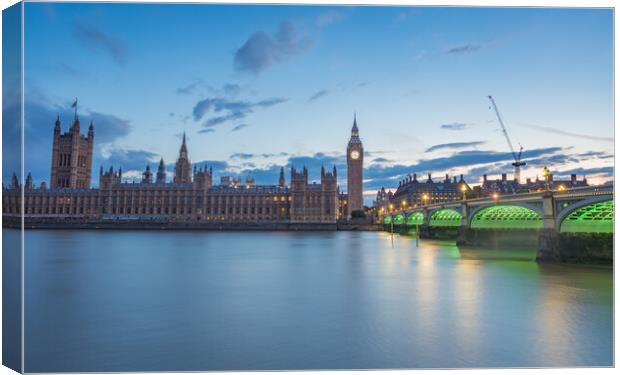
{"x":157,"y":300}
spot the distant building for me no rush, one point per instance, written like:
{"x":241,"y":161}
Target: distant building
{"x":505,"y":186}
{"x":413,"y":193}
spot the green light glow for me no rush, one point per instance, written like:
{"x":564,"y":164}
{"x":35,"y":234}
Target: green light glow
{"x":595,"y":218}
{"x":506,"y":217}
{"x":387,"y":219}
{"x":445,"y":218}
{"x":399,"y":219}
{"x":415,"y":218}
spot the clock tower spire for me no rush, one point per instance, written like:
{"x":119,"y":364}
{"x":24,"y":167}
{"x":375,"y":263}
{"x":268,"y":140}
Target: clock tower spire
{"x":355,"y":170}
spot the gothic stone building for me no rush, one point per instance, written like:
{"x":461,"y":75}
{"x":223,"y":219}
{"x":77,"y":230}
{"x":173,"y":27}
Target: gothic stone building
{"x":190,"y":197}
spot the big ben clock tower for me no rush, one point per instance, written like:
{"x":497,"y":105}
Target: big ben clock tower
{"x":355,"y":166}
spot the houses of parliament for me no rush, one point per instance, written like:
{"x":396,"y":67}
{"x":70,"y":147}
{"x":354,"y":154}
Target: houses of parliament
{"x":190,"y":196}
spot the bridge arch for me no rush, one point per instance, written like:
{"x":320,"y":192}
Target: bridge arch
{"x":506,"y":216}
{"x":565,"y":211}
{"x":387,"y":220}
{"x":398,"y":219}
{"x":415,"y":218}
{"x":536,"y":208}
{"x":445,"y":217}
{"x":595,"y":217}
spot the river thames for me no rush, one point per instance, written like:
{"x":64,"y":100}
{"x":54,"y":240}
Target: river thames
{"x":162,"y":300}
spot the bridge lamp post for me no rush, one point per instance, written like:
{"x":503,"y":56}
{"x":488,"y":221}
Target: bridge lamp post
{"x":425,"y":198}
{"x":561,"y":188}
{"x":391,"y":207}
{"x":464,"y":190}
{"x":495,"y":197}
{"x":403,"y":203}
{"x":546,"y":174}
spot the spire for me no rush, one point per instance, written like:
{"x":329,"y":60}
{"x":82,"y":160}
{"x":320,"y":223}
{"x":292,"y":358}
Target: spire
{"x":335,"y":174}
{"x":281,"y":180}
{"x":354,"y":130}
{"x":74,"y":105}
{"x":183,"y":151}
{"x":57,"y":126}
{"x":161,"y":172}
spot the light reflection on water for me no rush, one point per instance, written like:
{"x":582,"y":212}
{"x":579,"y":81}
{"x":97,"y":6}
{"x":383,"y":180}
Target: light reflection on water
{"x":139,"y":301}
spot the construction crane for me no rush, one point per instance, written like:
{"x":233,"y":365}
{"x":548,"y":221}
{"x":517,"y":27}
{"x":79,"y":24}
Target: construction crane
{"x":517,"y":157}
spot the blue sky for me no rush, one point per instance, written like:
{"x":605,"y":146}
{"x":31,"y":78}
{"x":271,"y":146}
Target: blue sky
{"x":257,"y":87}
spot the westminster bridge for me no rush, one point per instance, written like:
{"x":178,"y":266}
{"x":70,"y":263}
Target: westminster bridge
{"x":579,"y":218}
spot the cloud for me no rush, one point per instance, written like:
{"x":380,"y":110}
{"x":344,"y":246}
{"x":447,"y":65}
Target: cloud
{"x":455,"y":126}
{"x":382,"y":160}
{"x":231,"y":89}
{"x":454,"y":145}
{"x":198,"y":85}
{"x":241,"y":155}
{"x":125,"y":159}
{"x":239,"y":127}
{"x":108,"y":127}
{"x":318,"y":95}
{"x":234,"y":109}
{"x":214,"y":121}
{"x":270,"y":102}
{"x":464,"y":49}
{"x":205,"y":131}
{"x":98,"y":40}
{"x":190,"y":88}
{"x":245,"y":155}
{"x":569,"y":134}
{"x":262,"y":50}
{"x":607,"y":171}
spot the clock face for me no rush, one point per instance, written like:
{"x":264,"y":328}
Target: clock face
{"x":355,"y":155}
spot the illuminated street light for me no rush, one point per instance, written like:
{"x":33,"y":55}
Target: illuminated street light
{"x":403,"y":203}
{"x":561,"y":188}
{"x":391,"y":207}
{"x":464,"y":190}
{"x":495,"y":197}
{"x":425,"y":198}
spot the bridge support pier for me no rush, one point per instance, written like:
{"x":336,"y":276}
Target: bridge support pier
{"x":463,"y":235}
{"x":424,"y":231}
{"x":548,"y":245}
{"x":548,"y":237}
{"x":463,"y":231}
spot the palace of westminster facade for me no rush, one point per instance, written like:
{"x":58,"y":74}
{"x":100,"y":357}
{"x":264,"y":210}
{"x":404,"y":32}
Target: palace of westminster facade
{"x":190,"y":197}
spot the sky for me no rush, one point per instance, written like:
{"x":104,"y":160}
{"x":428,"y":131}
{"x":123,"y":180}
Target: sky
{"x":260,"y":87}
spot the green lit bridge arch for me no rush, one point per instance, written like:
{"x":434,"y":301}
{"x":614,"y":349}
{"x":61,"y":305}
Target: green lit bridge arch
{"x":506,"y":217}
{"x":595,"y":217}
{"x":415,"y":218}
{"x":445,"y":217}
